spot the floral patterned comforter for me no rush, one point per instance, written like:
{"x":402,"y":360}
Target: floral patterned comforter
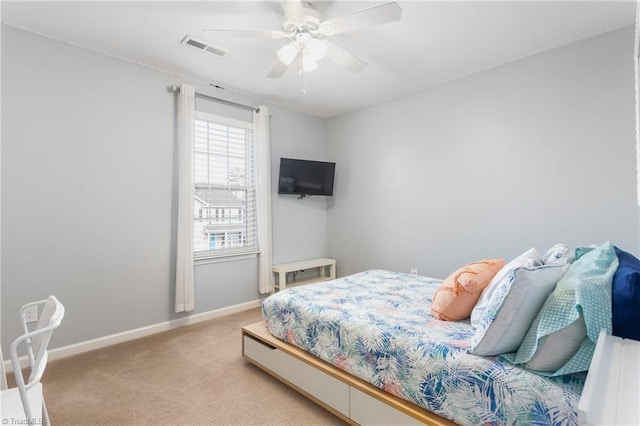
{"x":377,"y":325}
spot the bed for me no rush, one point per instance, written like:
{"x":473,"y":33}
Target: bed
{"x":367,"y":348}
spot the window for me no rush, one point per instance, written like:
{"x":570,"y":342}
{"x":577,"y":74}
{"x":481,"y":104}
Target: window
{"x":224,"y":192}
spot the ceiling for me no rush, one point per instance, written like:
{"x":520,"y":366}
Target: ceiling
{"x":434,"y":42}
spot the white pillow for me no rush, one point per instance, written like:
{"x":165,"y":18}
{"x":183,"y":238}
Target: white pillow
{"x":558,"y":254}
{"x":527,"y":259}
{"x":514,"y":306}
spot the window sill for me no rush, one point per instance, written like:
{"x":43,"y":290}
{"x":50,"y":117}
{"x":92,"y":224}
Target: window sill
{"x":224,"y":257}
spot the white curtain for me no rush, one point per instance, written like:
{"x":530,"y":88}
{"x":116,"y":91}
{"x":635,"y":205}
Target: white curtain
{"x":261,"y":132}
{"x":637,"y":90}
{"x":185,"y":294}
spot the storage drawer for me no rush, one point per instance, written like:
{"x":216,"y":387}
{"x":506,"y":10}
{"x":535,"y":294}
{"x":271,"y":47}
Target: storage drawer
{"x":367,"y":410}
{"x":325,"y":388}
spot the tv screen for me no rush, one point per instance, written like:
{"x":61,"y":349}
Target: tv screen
{"x":305,"y":177}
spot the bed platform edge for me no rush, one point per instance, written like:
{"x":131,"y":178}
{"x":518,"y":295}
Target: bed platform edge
{"x":349,"y":398}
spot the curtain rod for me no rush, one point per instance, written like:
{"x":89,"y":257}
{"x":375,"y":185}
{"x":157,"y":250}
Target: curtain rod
{"x":176,"y":89}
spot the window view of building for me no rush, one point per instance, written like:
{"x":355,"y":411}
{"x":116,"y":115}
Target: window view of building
{"x":224,"y":192}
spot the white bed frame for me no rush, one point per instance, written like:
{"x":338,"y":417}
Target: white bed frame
{"x":350,"y":398}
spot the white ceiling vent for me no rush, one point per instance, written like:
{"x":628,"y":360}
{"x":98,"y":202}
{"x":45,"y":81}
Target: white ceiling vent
{"x":203,"y":46}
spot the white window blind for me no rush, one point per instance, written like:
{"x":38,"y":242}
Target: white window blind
{"x":224,"y":194}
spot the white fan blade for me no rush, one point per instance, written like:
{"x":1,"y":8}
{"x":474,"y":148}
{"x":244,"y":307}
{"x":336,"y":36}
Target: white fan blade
{"x":378,"y":15}
{"x":344,"y":58}
{"x":248,"y":33}
{"x":292,"y":9}
{"x":278,"y":69}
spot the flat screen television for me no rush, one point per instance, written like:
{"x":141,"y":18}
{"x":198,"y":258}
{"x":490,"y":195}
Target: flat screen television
{"x":305,"y":177}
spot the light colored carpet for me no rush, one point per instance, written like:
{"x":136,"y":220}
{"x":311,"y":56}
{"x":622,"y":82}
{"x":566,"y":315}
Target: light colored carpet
{"x":193,"y":375}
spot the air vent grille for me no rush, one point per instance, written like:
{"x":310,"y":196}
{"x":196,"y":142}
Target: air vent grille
{"x":203,"y":46}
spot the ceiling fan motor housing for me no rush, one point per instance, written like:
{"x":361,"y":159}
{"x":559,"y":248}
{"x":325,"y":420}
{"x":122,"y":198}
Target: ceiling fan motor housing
{"x":307,"y":23}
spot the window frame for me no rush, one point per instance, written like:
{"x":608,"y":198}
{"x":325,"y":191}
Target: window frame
{"x":214,"y":256}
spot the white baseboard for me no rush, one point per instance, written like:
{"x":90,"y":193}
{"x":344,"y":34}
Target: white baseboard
{"x":101,"y":342}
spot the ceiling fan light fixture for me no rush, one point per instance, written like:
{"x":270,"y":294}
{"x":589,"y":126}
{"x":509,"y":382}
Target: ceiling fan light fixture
{"x":309,"y":63}
{"x":317,"y":48}
{"x":288,"y":53}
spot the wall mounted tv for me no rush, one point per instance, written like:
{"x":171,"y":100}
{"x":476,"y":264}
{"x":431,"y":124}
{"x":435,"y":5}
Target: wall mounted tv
{"x":305,"y":177}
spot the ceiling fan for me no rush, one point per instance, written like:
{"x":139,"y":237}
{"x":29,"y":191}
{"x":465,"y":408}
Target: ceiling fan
{"x":303,"y":26}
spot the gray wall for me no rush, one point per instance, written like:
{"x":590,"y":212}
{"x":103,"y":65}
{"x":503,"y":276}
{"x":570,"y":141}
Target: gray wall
{"x":527,"y":154}
{"x":530,"y":153}
{"x":89,"y":192}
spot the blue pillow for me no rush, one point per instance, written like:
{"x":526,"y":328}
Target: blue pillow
{"x":625,"y":297}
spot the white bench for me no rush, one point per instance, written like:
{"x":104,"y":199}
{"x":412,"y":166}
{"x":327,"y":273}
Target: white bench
{"x":322,"y":264}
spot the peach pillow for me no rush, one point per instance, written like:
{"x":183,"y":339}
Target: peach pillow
{"x":457,"y":295}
